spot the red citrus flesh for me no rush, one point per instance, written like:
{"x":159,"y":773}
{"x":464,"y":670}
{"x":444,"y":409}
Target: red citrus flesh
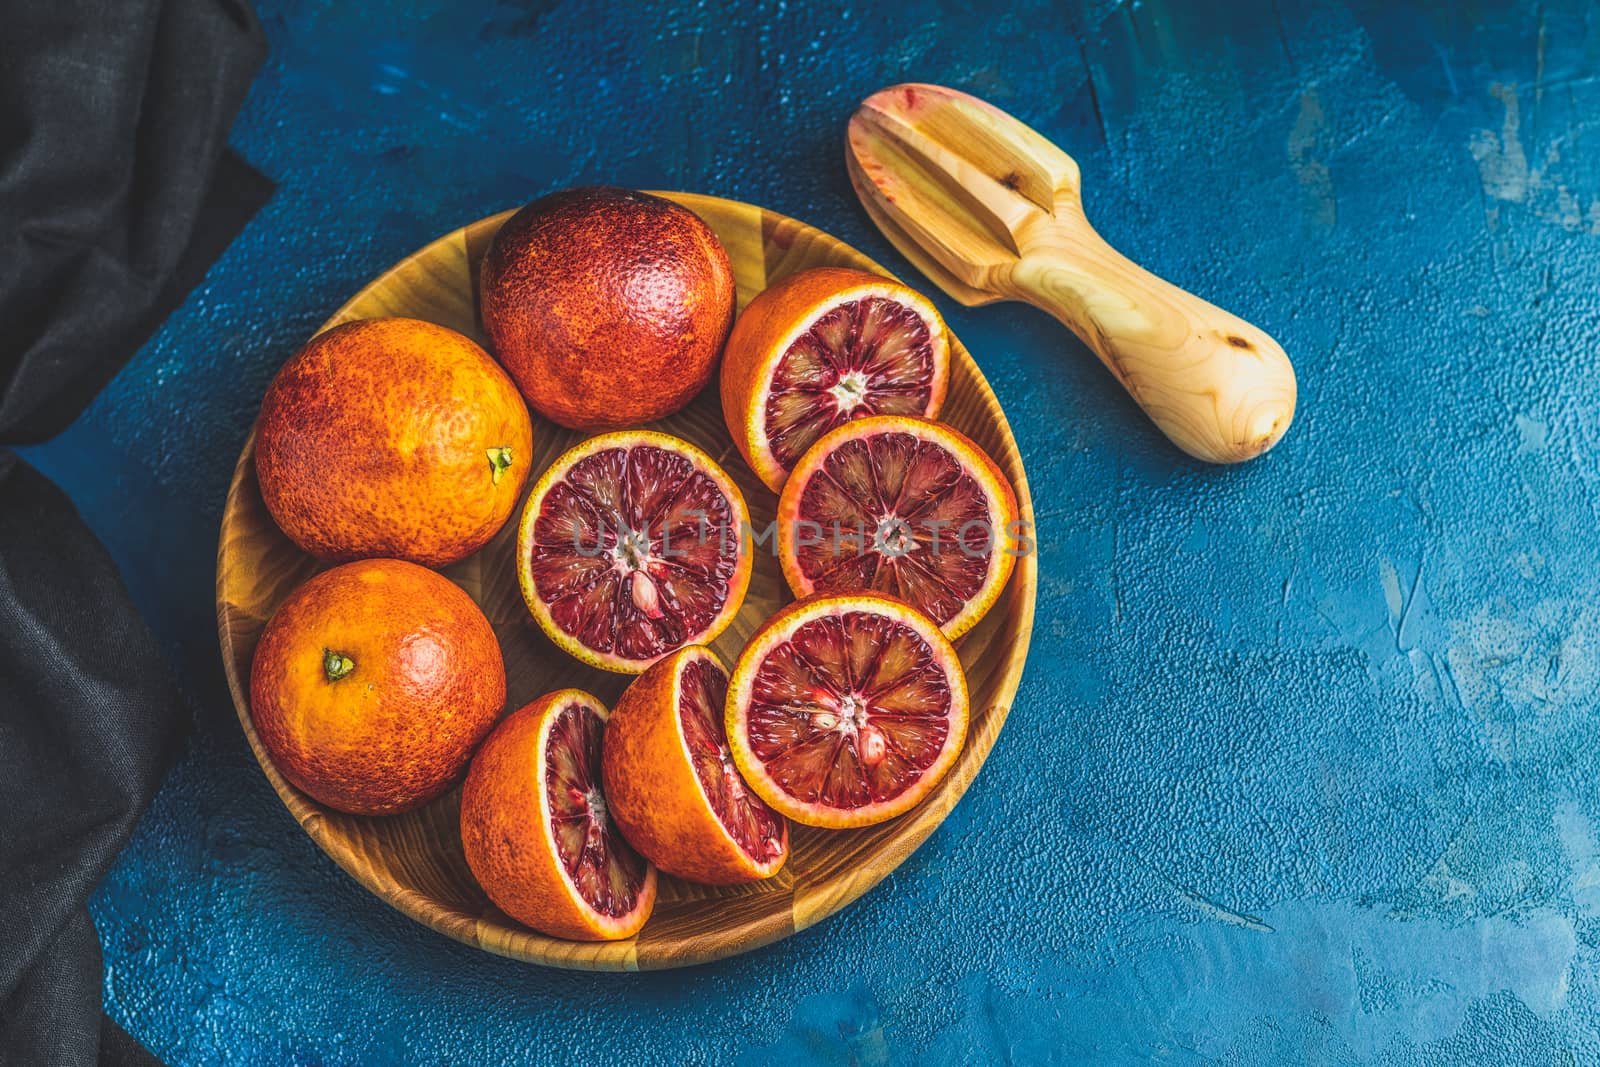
{"x":904,"y":507}
{"x":703,"y":698}
{"x":537,"y":831}
{"x":608,"y":874}
{"x":632,"y":545}
{"x":821,"y":347}
{"x":846,"y":710}
{"x":872,"y":356}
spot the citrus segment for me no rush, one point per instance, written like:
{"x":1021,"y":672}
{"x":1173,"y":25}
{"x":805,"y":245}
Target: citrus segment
{"x":632,"y":544}
{"x":905,"y":507}
{"x":821,"y":347}
{"x":760,"y":832}
{"x":606,"y":874}
{"x":846,"y":710}
{"x":671,"y":780}
{"x":536,"y":828}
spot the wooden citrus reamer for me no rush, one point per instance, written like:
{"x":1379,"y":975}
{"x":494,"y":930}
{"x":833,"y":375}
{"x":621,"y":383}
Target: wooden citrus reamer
{"x":991,"y":210}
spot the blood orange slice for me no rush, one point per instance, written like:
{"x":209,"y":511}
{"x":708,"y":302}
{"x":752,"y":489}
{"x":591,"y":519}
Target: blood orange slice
{"x":536,"y":829}
{"x":671,"y":782}
{"x":633,"y":544}
{"x":820,"y":348}
{"x":846,"y":710}
{"x":901,"y":506}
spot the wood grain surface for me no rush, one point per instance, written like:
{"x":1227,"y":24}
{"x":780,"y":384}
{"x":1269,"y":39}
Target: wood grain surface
{"x":414,"y":861}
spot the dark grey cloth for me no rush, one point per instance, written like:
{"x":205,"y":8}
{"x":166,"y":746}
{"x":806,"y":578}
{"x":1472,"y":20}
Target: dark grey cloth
{"x":88,"y":716}
{"x":116,"y":192}
{"x":114,"y":116}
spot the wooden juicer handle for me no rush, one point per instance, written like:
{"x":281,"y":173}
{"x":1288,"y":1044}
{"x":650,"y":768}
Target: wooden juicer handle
{"x":991,"y":210}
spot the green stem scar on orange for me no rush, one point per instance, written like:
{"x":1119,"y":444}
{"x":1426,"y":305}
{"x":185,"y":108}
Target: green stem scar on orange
{"x":336,"y":664}
{"x":499,"y":461}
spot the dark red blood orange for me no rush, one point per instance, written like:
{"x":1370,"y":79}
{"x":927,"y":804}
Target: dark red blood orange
{"x":671,"y":781}
{"x":822,"y":347}
{"x":536,"y":829}
{"x":609,"y":307}
{"x":846,"y":710}
{"x":905,"y":507}
{"x":633,"y":544}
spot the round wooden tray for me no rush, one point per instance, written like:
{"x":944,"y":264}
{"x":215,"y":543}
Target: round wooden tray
{"x":414,"y":861}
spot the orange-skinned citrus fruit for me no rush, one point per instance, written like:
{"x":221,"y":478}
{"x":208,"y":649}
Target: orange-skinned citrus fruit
{"x":392,"y":438}
{"x":671,"y":782}
{"x":846,"y":710}
{"x":535,"y":827}
{"x":821,"y":347}
{"x":373,"y":682}
{"x":905,"y":507}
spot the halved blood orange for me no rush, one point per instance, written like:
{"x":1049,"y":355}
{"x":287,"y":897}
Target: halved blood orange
{"x":901,"y":506}
{"x":671,"y":781}
{"x":633,"y":544}
{"x":846,"y":710}
{"x":536,"y":831}
{"x":821,"y":347}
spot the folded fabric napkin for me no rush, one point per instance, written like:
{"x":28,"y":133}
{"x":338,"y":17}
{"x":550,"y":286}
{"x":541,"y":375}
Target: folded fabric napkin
{"x":116,"y":192}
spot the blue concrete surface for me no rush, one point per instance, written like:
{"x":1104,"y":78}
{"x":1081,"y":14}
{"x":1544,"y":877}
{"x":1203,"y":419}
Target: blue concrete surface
{"x":1302,"y":769}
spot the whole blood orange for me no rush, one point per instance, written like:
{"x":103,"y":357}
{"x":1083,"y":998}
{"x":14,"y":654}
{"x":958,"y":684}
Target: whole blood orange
{"x":901,"y":506}
{"x":821,"y":347}
{"x":633,"y":544}
{"x":372,"y":684}
{"x":394,"y":438}
{"x":609,"y":307}
{"x":536,"y":830}
{"x":671,"y":782}
{"x":846,"y":710}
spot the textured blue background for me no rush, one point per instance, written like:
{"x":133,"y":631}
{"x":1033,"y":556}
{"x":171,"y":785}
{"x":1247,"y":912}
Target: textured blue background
{"x":1303,"y":765}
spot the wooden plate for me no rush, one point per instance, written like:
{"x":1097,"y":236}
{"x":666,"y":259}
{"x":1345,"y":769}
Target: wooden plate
{"x":414,"y":861}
